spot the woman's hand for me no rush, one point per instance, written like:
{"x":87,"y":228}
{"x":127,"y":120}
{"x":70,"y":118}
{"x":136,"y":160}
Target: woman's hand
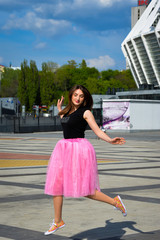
{"x":59,"y":103}
{"x":117,"y":140}
{"x":88,"y":116}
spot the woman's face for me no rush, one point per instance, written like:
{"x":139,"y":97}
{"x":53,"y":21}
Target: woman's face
{"x":77,"y":98}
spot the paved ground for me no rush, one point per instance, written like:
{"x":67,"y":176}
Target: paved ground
{"x":131,"y":170}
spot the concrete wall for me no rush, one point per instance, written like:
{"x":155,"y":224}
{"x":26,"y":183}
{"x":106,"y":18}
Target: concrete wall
{"x":145,"y":115}
{"x":136,"y":13}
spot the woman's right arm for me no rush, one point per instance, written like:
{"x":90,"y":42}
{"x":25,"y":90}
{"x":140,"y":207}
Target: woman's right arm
{"x":88,"y":116}
{"x":59,"y":104}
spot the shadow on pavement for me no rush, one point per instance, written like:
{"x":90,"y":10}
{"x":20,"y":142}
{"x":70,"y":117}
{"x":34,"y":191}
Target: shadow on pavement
{"x":112,"y":230}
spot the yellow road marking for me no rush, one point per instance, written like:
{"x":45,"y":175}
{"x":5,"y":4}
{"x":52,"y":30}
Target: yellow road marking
{"x":21,"y":163}
{"x":4,"y":163}
{"x":104,"y":161}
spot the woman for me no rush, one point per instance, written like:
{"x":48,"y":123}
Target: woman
{"x":72,"y":170}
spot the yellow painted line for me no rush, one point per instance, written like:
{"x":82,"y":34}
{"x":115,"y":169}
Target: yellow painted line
{"x":21,"y":163}
{"x":4,"y":163}
{"x":108,"y":161}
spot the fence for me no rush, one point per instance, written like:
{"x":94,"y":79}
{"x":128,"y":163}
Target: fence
{"x":28,"y":124}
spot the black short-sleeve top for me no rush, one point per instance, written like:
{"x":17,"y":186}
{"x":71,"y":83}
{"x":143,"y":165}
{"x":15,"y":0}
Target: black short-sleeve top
{"x":74,"y":125}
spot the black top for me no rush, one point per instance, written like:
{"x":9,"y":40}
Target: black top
{"x":74,"y":124}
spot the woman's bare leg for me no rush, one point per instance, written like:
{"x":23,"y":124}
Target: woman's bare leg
{"x":58,"y":203}
{"x":99,"y":196}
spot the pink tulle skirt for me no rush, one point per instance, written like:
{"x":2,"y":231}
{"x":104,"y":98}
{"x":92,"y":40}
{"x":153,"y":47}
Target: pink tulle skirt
{"x":72,"y":169}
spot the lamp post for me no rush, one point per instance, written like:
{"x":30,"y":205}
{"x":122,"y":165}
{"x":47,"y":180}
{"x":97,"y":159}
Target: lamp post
{"x":1,"y":111}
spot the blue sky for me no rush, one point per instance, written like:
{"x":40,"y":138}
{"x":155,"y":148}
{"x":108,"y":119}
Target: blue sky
{"x":62,"y":30}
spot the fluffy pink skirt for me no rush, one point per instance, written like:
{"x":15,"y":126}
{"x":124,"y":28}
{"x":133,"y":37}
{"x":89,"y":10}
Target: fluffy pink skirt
{"x":72,"y":169}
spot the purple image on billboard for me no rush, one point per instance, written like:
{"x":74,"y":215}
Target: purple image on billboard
{"x":116,"y":115}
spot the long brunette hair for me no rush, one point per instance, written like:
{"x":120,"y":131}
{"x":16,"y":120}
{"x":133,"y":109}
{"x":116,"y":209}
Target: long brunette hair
{"x":88,"y":100}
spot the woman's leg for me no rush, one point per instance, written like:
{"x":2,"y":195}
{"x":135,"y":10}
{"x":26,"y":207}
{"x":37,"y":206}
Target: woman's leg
{"x":58,"y":203}
{"x":117,"y":202}
{"x":99,"y":196}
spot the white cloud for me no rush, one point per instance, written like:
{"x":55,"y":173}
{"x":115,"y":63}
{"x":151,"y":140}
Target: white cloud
{"x":45,"y":27}
{"x":77,"y":8}
{"x":95,"y":3}
{"x":1,"y":59}
{"x":107,"y":3}
{"x":102,"y":62}
{"x":40,"y":45}
{"x":58,"y":17}
{"x":60,"y":6}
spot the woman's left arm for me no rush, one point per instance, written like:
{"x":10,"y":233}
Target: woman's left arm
{"x":88,"y":116}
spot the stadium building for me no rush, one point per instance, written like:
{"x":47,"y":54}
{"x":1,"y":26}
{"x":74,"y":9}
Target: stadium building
{"x":141,"y":47}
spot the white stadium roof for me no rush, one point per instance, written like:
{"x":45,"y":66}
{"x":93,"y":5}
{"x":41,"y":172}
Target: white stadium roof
{"x":142,"y":46}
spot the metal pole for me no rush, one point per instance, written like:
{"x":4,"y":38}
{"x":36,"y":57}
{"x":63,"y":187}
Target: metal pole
{"x":14,"y":118}
{"x":53,"y":110}
{"x":1,"y":111}
{"x":19,"y":124}
{"x":17,"y":107}
{"x":101,"y":118}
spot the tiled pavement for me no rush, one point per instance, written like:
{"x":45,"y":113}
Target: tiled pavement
{"x":131,"y":170}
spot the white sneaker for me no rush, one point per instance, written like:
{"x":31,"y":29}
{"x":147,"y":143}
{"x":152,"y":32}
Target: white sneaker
{"x":120,"y":206}
{"x":54,"y":227}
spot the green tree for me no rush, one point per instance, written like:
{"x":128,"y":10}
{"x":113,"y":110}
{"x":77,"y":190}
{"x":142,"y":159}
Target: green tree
{"x":83,"y":64}
{"x":81,"y":75}
{"x":47,"y":85}
{"x":127,"y":79}
{"x":115,"y":83}
{"x":63,"y":77}
{"x":33,"y":88}
{"x":9,"y":83}
{"x":102,"y":86}
{"x":28,"y":88}
{"x":72,"y":63}
{"x":108,"y":74}
{"x":22,"y":86}
{"x":118,"y":79}
{"x":91,"y":85}
{"x":51,"y":66}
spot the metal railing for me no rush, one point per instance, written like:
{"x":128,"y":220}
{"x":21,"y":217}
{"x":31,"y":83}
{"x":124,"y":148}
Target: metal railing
{"x":30,"y":123}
